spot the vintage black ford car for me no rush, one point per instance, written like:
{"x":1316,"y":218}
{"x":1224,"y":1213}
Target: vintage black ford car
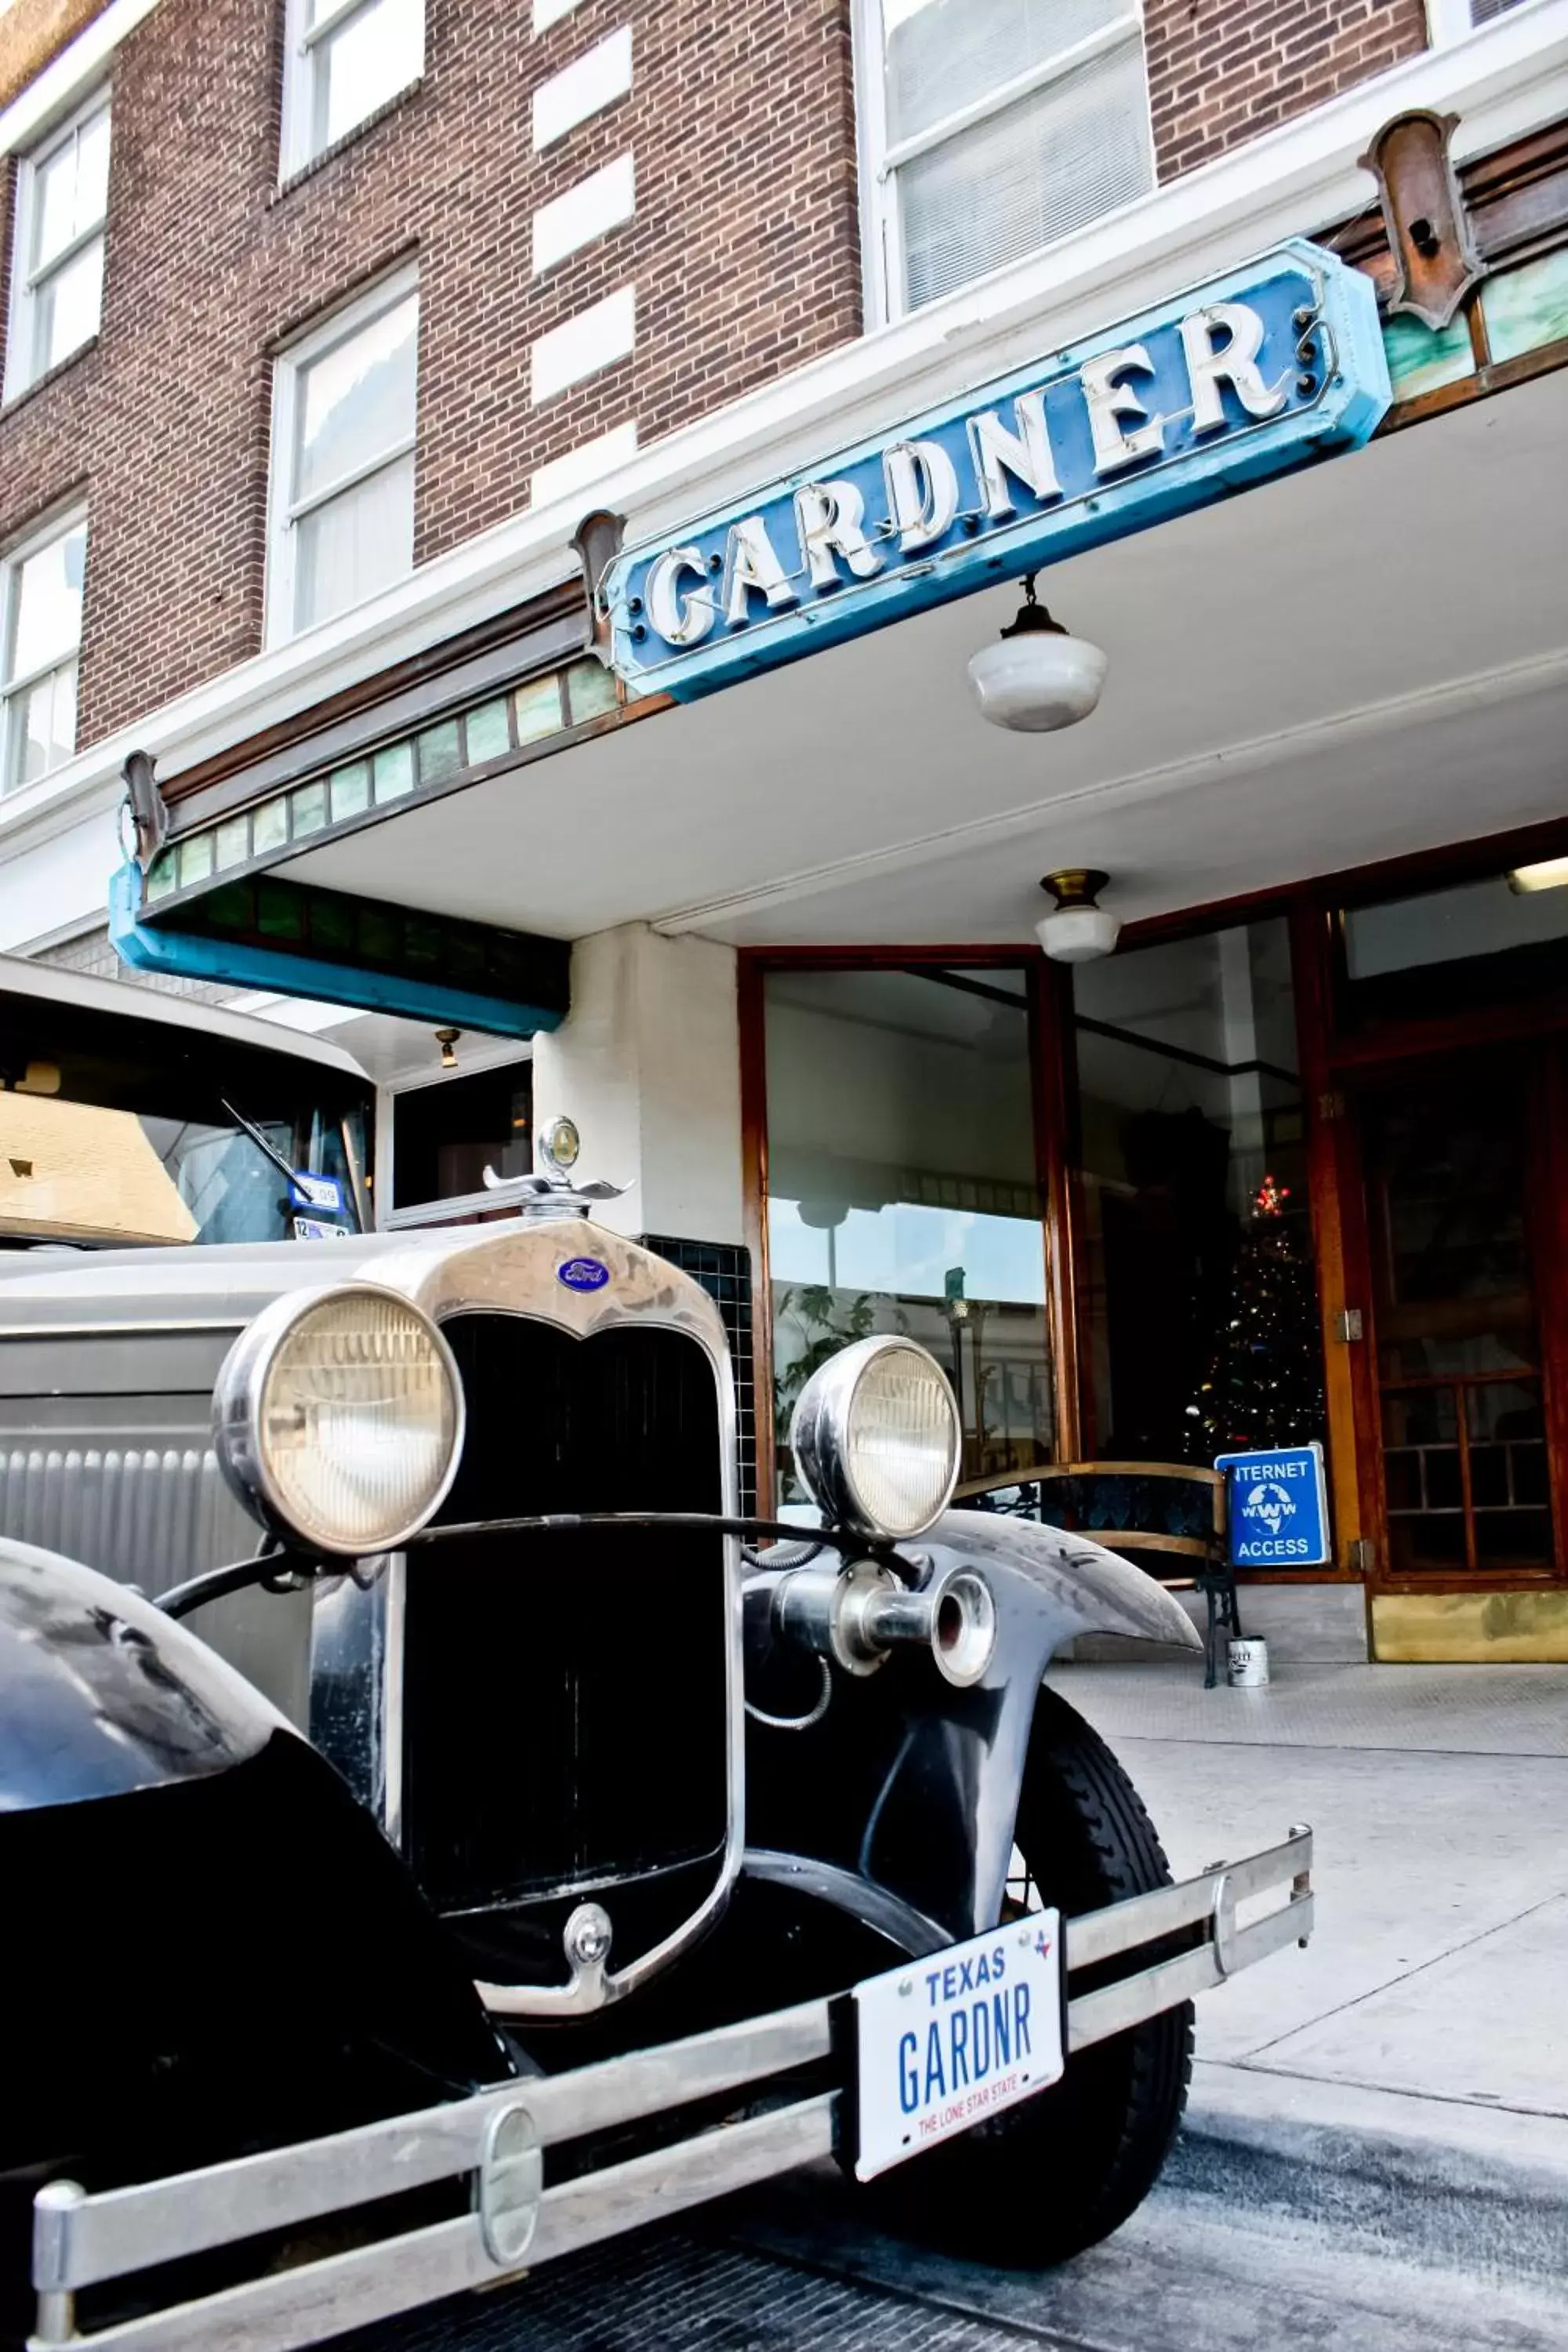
{"x":506,"y":1814}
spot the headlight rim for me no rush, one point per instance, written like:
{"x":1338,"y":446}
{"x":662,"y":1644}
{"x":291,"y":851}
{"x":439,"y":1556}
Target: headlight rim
{"x":240,"y":1392}
{"x":819,"y":1429}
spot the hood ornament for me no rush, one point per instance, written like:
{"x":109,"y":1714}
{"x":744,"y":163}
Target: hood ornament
{"x":552,"y":1193}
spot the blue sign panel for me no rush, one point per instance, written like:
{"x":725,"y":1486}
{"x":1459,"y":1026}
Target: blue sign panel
{"x":1265,"y":370}
{"x":1278,"y":1507}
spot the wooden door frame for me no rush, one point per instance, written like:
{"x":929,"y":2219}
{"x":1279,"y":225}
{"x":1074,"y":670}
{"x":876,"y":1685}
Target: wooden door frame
{"x":1546,"y":1130}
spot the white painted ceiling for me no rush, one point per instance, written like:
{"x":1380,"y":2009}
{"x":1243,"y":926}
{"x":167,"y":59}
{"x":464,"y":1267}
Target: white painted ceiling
{"x":1368,"y":658}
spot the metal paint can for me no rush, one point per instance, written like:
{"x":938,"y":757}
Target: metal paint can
{"x":1247,"y":1666}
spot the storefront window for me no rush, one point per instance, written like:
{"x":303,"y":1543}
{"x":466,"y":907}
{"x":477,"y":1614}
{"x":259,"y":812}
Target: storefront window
{"x":446,"y":1134}
{"x":1202,"y":1323}
{"x":903,"y":1196}
{"x":1502,"y":940}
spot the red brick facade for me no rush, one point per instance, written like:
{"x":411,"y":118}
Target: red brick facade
{"x":743,"y":251}
{"x":1219,"y":74}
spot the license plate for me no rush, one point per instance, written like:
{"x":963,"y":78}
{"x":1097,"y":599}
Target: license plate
{"x":951,"y":2039}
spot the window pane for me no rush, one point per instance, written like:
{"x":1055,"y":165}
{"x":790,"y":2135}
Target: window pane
{"x":354,"y":544}
{"x":357,"y":401}
{"x":53,"y":201}
{"x":942,"y":54}
{"x":1203,"y":1316}
{"x":369,"y":57}
{"x":92,"y":170}
{"x":1019,"y":180}
{"x":46,"y":613}
{"x":70,"y":304}
{"x":903,"y":1194}
{"x":43,"y":733}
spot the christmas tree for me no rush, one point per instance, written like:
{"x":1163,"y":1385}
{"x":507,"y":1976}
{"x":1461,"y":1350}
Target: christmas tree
{"x":1264,"y":1383}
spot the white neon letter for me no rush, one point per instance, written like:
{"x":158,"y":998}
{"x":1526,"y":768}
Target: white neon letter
{"x":923,"y":492}
{"x":681,"y":619}
{"x":828,"y":516}
{"x":1236,"y":363}
{"x":1026,"y":454}
{"x":753,"y":566}
{"x":1109,"y":401}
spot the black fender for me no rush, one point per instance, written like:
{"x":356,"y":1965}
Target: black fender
{"x":210,"y":1948}
{"x":897,"y":1806}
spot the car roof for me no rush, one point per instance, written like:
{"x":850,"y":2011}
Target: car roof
{"x":127,"y":1001}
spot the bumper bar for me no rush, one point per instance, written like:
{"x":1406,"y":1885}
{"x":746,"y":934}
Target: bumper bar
{"x":496,"y":2138}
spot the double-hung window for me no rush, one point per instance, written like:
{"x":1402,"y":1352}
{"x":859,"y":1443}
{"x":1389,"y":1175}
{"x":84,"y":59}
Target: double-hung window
{"x":991,"y":128}
{"x":56,"y":255}
{"x":344,"y":59}
{"x":344,"y":419}
{"x":40,"y":630}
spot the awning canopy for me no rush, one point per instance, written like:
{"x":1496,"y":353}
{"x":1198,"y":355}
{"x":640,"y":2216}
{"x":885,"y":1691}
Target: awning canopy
{"x":1352,"y":664}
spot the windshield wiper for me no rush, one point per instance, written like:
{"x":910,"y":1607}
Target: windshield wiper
{"x":258,"y":1140}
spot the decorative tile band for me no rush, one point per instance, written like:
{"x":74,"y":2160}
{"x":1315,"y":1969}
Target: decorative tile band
{"x":409,"y":766}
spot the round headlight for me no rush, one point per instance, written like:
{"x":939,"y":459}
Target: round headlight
{"x":876,"y":1438}
{"x":339,"y":1418}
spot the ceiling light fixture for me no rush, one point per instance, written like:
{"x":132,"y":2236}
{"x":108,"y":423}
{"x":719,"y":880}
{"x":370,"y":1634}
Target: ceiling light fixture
{"x":1551,"y":874}
{"x":447,"y":1040}
{"x":1035,"y":677}
{"x":1077,"y":929}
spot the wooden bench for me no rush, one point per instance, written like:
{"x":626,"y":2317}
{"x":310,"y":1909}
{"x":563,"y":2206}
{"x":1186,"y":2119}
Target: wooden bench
{"x":1120,"y":1505}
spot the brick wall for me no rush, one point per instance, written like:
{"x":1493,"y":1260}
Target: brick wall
{"x":742,"y":249}
{"x":1220,"y":74}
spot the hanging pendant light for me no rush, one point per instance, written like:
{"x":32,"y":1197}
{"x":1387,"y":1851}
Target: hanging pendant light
{"x":1035,"y":677}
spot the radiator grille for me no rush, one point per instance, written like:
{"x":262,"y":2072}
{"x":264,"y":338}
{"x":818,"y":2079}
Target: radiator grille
{"x":565,"y":1695}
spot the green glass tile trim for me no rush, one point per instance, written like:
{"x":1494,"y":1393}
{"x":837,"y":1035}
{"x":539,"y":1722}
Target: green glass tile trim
{"x":436,"y":755}
{"x":393,"y":765}
{"x":488,"y":730}
{"x":195,"y":859}
{"x":1528,"y":307}
{"x":232,"y":843}
{"x":269,"y":828}
{"x":538,"y":708}
{"x":307,"y":808}
{"x":351,"y":790}
{"x":440,"y":753}
{"x":589,"y":690}
{"x":1420,"y":358}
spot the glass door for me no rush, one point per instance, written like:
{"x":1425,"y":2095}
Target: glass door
{"x":1462,"y":1256}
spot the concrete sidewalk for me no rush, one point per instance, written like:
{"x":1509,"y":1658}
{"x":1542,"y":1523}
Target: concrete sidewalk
{"x":1421,"y":2043}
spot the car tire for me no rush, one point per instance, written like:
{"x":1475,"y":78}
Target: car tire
{"x":1068,"y":2166}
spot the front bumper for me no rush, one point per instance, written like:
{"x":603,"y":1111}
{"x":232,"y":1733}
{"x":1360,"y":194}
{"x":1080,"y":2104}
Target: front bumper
{"x":496,"y":2138}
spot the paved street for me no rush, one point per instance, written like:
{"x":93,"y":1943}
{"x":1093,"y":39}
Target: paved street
{"x":1378,"y":2161}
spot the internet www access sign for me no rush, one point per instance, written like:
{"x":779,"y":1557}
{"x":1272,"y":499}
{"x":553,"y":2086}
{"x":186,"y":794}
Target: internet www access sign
{"x":1278,"y":1509}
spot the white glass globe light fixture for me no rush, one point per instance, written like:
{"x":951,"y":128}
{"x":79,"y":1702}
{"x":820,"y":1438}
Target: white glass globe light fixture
{"x":1035,"y":677}
{"x":1077,"y":929}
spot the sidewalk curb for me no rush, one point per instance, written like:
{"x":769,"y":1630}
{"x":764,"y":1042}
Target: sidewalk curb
{"x":1438,"y":2182}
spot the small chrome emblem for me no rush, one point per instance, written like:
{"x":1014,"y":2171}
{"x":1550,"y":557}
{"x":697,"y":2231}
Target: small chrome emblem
{"x":583,"y":1274}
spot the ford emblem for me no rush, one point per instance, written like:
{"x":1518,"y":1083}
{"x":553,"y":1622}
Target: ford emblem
{"x":583,"y":1274}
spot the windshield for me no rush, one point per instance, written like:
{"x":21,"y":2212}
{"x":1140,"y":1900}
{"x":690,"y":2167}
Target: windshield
{"x":117,"y":1129}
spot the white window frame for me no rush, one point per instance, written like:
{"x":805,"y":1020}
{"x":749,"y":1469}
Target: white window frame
{"x":22,"y":368}
{"x":302,"y":40}
{"x":59,"y":525}
{"x":1448,"y":21}
{"x":881,"y":230}
{"x":284,"y":511}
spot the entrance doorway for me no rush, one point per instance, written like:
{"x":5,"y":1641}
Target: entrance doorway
{"x":1465,"y":1329}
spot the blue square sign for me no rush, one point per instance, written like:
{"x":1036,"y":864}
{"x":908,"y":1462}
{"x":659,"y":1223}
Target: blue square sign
{"x":1278,"y":1507}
